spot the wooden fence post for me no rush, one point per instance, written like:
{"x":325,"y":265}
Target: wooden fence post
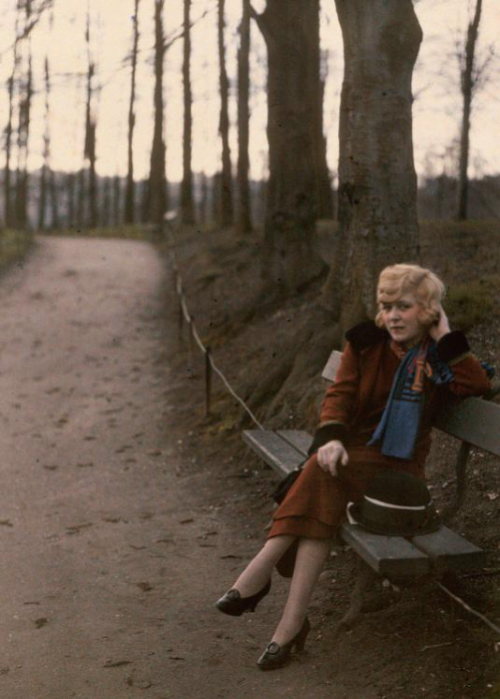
{"x":208,"y":381}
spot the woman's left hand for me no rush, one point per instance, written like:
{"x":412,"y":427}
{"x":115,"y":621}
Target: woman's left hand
{"x":441,"y":327}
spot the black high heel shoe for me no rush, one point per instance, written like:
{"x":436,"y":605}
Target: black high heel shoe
{"x":233,"y":604}
{"x":276,"y":656}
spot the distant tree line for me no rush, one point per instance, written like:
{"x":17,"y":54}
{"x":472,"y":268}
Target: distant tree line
{"x":376,"y":198}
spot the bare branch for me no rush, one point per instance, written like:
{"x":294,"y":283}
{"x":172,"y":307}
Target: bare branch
{"x":30,"y":26}
{"x":259,"y":20}
{"x":469,"y":609}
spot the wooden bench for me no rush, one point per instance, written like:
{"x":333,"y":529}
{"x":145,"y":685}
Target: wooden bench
{"x":474,"y":421}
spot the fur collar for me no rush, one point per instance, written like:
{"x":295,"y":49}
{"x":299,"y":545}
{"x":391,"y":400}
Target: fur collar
{"x":366,"y":334}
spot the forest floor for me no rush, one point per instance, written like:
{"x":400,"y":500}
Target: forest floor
{"x":125,"y":512}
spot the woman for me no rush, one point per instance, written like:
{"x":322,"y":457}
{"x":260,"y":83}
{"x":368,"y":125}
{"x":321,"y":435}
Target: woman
{"x":394,"y":374}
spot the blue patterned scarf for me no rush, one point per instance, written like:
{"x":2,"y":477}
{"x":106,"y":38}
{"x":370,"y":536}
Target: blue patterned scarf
{"x":398,"y":429}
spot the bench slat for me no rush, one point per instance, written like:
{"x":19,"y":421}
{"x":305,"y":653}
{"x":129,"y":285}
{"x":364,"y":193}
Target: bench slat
{"x":332,"y":365}
{"x":474,"y":420}
{"x":388,"y":555}
{"x":277,"y":453}
{"x":449,"y":550}
{"x":300,"y":439}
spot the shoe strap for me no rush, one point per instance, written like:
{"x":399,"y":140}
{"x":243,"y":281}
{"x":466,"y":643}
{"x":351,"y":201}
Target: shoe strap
{"x":273,"y":648}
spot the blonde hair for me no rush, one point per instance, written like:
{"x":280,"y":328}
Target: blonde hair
{"x":397,"y":280}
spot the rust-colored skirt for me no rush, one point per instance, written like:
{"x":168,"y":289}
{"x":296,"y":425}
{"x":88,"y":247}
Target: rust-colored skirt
{"x":315,"y":505}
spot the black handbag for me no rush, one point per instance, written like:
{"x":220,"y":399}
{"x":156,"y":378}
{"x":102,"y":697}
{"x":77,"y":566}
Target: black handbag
{"x":281,"y":490}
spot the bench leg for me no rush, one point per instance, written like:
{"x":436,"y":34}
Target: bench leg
{"x":365,"y":577}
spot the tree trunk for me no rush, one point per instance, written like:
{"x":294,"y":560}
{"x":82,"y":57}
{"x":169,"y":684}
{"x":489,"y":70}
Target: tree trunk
{"x":468,"y":82}
{"x":89,"y":152}
{"x":117,"y":200}
{"x":129,"y":212}
{"x":70,"y":197}
{"x":203,"y":213}
{"x":25,"y":100}
{"x":8,"y":199}
{"x":54,"y":200}
{"x":377,"y":180}
{"x":244,"y":201}
{"x":106,"y":203}
{"x":46,"y":152}
{"x":81,"y":209}
{"x":157,"y":188}
{"x":187,"y":204}
{"x":290,"y":30}
{"x":226,"y":206}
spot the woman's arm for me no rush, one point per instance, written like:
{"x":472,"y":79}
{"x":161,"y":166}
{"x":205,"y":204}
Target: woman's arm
{"x":470,"y":379}
{"x":338,"y":406}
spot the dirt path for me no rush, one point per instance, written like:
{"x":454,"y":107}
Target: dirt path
{"x":109,"y":561}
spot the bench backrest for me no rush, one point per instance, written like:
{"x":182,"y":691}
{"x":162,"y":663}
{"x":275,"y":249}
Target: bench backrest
{"x":473,"y":420}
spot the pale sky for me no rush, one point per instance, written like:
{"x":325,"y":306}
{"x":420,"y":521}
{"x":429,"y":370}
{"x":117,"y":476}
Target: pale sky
{"x":436,"y":109}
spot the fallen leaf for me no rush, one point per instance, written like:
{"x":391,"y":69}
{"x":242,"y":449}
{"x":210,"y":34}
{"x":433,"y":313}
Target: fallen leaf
{"x":76,"y":528}
{"x":117,"y":663}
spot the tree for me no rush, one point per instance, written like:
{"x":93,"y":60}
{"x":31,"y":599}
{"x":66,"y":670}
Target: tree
{"x":290,"y":30}
{"x":244,"y":215}
{"x":54,"y":199}
{"x":157,"y":185}
{"x":469,"y":79}
{"x":9,"y":129}
{"x":187,"y":204}
{"x":117,"y":196}
{"x":377,"y":180}
{"x":377,"y":189}
{"x":226,"y":206}
{"x":70,"y":181}
{"x":129,"y":212}
{"x":44,"y":175}
{"x":24,"y":123}
{"x":89,"y":151}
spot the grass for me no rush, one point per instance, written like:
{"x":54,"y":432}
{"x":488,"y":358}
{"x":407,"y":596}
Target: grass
{"x":126,"y":232}
{"x":467,"y":256}
{"x":14,"y":245}
{"x":471,"y":303}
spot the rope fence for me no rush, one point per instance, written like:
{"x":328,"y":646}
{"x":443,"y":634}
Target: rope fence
{"x":211,"y":368}
{"x":195,"y":339}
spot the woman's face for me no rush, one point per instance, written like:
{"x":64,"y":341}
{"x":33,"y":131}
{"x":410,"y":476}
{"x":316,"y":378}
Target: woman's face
{"x":400,"y":317}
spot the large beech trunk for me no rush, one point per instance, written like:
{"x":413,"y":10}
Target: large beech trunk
{"x":291,"y":32}
{"x":377,"y":181}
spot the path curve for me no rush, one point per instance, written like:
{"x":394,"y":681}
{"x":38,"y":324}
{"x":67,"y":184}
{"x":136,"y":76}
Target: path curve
{"x":114,"y":547}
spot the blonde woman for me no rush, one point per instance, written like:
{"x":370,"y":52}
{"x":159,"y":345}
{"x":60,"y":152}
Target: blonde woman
{"x":395,"y":373}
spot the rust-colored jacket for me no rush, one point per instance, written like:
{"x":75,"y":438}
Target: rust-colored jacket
{"x":353,"y":405}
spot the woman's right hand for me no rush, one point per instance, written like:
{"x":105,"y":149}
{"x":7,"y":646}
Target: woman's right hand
{"x":330,"y":455}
